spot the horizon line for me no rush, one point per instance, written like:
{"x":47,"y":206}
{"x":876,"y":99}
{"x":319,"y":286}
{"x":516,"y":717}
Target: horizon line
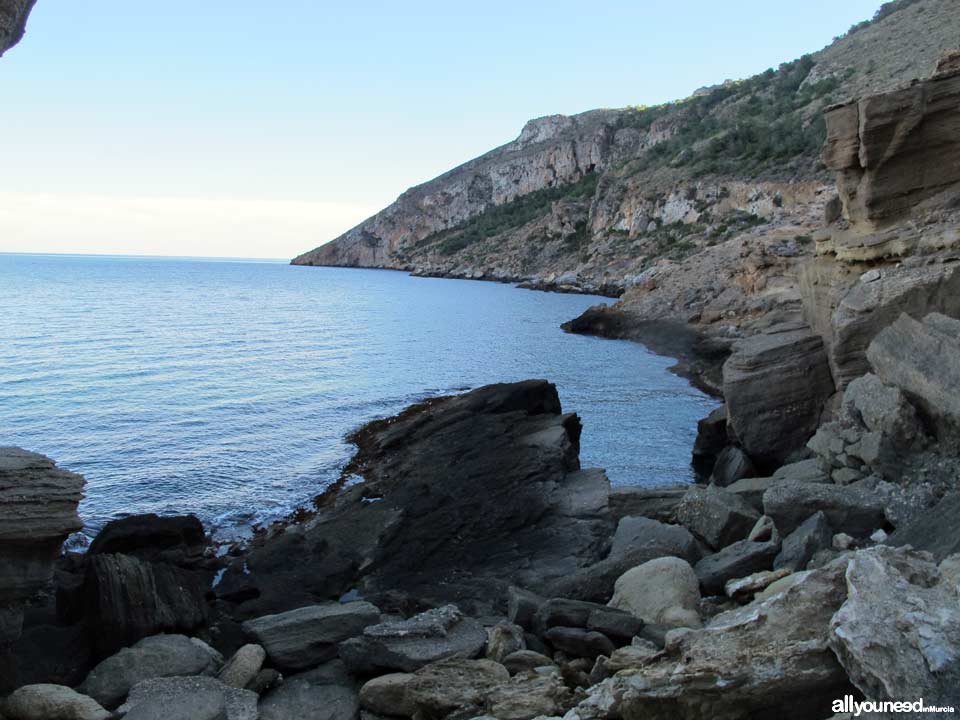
{"x":143,"y":256}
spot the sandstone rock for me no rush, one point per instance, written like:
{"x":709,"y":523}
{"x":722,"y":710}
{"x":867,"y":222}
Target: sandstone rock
{"x":923,"y":359}
{"x":153,"y":657}
{"x":530,"y":694}
{"x":579,"y":643}
{"x":892,"y":150}
{"x":776,"y":384}
{"x":179,"y":540}
{"x":656,"y":503}
{"x":847,"y":509}
{"x":387,"y":695}
{"x":243,"y":667}
{"x":799,"y":547}
{"x":732,"y":464}
{"x":506,"y":441}
{"x":188,"y":698}
{"x":768,"y":659}
{"x":407,"y":645}
{"x":38,"y":510}
{"x":743,"y":589}
{"x":503,"y":639}
{"x":449,"y":685}
{"x":525,"y":660}
{"x":936,"y":531}
{"x":716,"y":516}
{"x":734,"y":561}
{"x":126,"y":600}
{"x":898,"y":633}
{"x":51,"y":702}
{"x":325,"y":693}
{"x":308,"y":636}
{"x":664,"y":591}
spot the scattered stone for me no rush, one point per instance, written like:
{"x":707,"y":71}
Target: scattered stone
{"x":842,"y":542}
{"x":243,"y":667}
{"x":664,"y":591}
{"x":898,"y":633}
{"x":308,"y":636}
{"x":716,"y":516}
{"x":799,"y":547}
{"x":153,"y":657}
{"x":187,"y":698}
{"x":324,"y":693}
{"x":407,"y":645}
{"x":743,"y":589}
{"x":734,"y":561}
{"x":51,"y":702}
{"x":847,"y":509}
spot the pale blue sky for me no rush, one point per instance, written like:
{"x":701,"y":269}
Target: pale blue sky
{"x":263,"y":129}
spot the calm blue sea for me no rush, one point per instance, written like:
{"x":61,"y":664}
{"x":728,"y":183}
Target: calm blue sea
{"x":226,"y":388}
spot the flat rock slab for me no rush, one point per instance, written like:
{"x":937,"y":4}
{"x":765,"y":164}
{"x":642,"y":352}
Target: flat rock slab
{"x":308,"y":636}
{"x":847,"y":509}
{"x":734,"y":561}
{"x":181,"y":696}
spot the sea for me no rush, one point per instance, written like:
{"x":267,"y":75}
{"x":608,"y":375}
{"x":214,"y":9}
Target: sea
{"x":225,"y":388}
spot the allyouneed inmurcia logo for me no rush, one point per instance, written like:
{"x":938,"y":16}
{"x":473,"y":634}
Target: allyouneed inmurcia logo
{"x":848,"y":705}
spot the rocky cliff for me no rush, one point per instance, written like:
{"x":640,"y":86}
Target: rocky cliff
{"x":13,"y":21}
{"x":595,"y":201}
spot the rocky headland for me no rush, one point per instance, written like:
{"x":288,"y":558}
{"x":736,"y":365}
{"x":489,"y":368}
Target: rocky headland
{"x":466,"y":566}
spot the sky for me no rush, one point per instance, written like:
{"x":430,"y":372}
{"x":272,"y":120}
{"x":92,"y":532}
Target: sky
{"x":253,"y":129}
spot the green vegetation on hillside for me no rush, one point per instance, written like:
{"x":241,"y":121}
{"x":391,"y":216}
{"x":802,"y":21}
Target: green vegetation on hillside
{"x":508,"y":216}
{"x":885,"y":10}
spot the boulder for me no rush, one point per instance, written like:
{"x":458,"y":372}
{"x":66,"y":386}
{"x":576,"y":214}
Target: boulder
{"x":503,"y":639}
{"x":936,"y":531}
{"x":579,"y":643}
{"x":665,"y":591}
{"x":241,"y":669}
{"x":188,"y":698}
{"x":38,"y":510}
{"x":768,"y":659}
{"x":530,"y":694}
{"x":799,"y":547}
{"x":765,"y":529}
{"x":847,"y":509}
{"x":751,"y":490}
{"x":775,"y":384}
{"x":734,"y":561}
{"x":387,"y":695}
{"x":308,"y":636}
{"x":407,"y":645}
{"x":898,"y":633}
{"x":51,"y":702}
{"x":716,"y":516}
{"x":923,"y":359}
{"x":153,"y":657}
{"x":744,"y":589}
{"x":522,"y":606}
{"x":656,"y":503}
{"x":732,"y":464}
{"x":711,"y":440}
{"x":526,"y":660}
{"x":179,"y":540}
{"x":443,"y":687}
{"x":618,"y":625}
{"x":510,"y":442}
{"x":805,"y":471}
{"x":126,"y":599}
{"x":325,"y":693}
{"x":637,"y":540}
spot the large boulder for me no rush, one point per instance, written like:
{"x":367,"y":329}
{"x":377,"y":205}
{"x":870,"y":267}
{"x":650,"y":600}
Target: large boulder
{"x":898,"y":633}
{"x":664,"y":591}
{"x":775,"y":384}
{"x":847,"y":509}
{"x":799,"y":547}
{"x":308,"y":636}
{"x":51,"y":702}
{"x":443,"y":687}
{"x":408,"y":645}
{"x":505,"y":449}
{"x":153,"y":657}
{"x":735,"y":561}
{"x":657,"y":503}
{"x":716,"y":516}
{"x":126,"y":599}
{"x":530,"y":694}
{"x":38,"y":510}
{"x":923,"y":359}
{"x":766,"y":659}
{"x":188,"y":698}
{"x":326,"y":693}
{"x":179,"y":539}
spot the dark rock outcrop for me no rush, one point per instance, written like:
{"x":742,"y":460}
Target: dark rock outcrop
{"x":495,"y":470}
{"x":936,"y":531}
{"x":38,"y":510}
{"x":775,"y":384}
{"x":716,"y":516}
{"x":179,"y":540}
{"x":13,"y":21}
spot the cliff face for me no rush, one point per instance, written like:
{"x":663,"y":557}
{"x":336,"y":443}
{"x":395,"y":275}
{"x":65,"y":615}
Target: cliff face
{"x":597,"y":200}
{"x":13,"y":21}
